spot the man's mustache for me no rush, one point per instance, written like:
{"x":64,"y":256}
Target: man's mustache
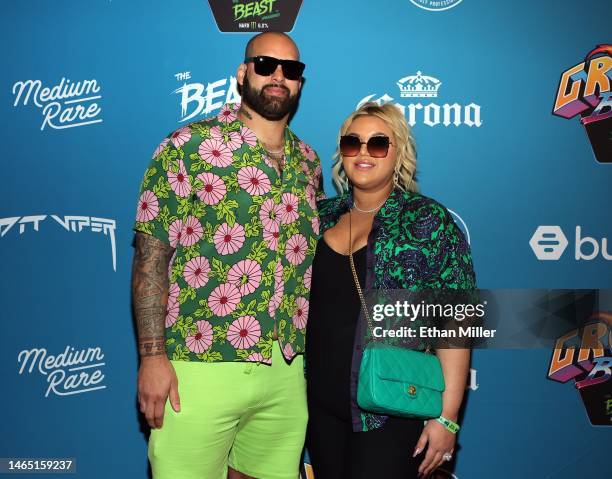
{"x":275,"y":85}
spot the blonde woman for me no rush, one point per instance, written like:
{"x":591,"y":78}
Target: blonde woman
{"x":400,"y":239}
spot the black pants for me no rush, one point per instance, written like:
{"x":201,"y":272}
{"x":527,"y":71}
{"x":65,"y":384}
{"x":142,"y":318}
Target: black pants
{"x":336,"y":452}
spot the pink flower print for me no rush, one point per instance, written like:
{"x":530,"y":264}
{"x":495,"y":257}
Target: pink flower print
{"x":278,"y":275}
{"x":192,"y":231}
{"x":288,"y":351}
{"x":295,"y":249}
{"x":245,"y":275}
{"x":227,"y":114}
{"x":267,"y":161}
{"x":301,"y":313}
{"x":175,"y":230}
{"x":279,"y":288}
{"x":216,"y":133}
{"x":148,"y":207}
{"x":179,"y":182}
{"x":247,"y":136}
{"x":215,"y":152}
{"x":196,"y":271}
{"x":172,"y":311}
{"x":315,"y":224}
{"x":224,"y":299}
{"x":311,"y":196}
{"x":290,"y":208}
{"x":308,"y":152}
{"x":231,"y":139}
{"x":213,"y":190}
{"x":161,"y":147}
{"x":200,"y":341}
{"x":229,"y":239}
{"x":273,"y":305}
{"x":304,"y":166}
{"x":174,"y":291}
{"x":255,"y":357}
{"x":181,"y":136}
{"x":271,"y":238}
{"x":269,"y":214}
{"x":308,"y":277}
{"x":244,"y":332}
{"x":254,"y":181}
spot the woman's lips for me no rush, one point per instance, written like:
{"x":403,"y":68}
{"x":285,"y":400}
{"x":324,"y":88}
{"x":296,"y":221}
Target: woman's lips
{"x":363,"y":165}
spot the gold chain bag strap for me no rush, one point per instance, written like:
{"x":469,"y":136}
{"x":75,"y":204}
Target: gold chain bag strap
{"x":396,"y":381}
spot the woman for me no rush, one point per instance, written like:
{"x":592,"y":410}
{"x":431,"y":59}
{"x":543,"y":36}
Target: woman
{"x":400,"y":239}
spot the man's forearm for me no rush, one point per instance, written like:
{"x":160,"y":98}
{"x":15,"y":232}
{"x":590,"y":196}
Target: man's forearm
{"x":150,"y":293}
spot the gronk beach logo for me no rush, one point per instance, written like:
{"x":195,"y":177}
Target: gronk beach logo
{"x":419,"y":88}
{"x":584,"y":89}
{"x":67,"y":104}
{"x":585,"y":355}
{"x":73,"y":371}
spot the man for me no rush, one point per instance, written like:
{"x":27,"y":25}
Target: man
{"x":226,"y":231}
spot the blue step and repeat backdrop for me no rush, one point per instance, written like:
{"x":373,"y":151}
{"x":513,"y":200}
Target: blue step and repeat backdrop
{"x":510,"y":106}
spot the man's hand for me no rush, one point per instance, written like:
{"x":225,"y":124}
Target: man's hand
{"x":156,"y":382}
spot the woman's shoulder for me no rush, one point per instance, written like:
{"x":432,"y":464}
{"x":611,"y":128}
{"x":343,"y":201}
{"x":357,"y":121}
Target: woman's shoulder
{"x":416,"y":207}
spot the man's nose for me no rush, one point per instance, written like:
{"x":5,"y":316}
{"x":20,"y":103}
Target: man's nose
{"x":277,"y":75}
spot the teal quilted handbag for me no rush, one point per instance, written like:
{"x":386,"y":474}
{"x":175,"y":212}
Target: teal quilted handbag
{"x":395,"y":381}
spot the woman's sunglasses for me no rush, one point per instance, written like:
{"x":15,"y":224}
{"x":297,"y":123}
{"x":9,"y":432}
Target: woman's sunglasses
{"x":378,"y":146}
{"x":265,"y":66}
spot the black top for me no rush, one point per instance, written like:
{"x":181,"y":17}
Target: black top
{"x":334,"y":309}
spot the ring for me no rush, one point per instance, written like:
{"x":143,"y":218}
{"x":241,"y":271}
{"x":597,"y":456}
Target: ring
{"x":447,"y":456}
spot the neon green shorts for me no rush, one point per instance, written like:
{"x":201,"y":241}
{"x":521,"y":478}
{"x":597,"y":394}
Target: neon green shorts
{"x":249,"y":415}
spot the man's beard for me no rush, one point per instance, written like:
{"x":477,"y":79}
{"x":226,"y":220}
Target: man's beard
{"x":272,"y":108}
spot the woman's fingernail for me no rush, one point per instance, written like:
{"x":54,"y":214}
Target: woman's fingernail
{"x":417,"y":451}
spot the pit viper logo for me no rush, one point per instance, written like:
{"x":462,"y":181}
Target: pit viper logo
{"x":584,"y":89}
{"x":255,"y":16}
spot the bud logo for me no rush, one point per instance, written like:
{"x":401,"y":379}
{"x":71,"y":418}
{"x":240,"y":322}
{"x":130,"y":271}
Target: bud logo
{"x":549,"y":243}
{"x":255,"y":16}
{"x":584,"y":89}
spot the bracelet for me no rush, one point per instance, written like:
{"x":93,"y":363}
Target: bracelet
{"x":448,"y":424}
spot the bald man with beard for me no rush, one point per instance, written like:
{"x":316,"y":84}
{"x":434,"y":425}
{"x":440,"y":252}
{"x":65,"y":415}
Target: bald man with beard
{"x":226,"y":231}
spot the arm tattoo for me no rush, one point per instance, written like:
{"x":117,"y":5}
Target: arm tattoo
{"x":150,"y":292}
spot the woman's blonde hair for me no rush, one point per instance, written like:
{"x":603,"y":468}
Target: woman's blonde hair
{"x":405,"y":166}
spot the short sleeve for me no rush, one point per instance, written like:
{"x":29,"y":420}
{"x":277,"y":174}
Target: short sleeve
{"x":457,"y":271}
{"x":164,"y":194}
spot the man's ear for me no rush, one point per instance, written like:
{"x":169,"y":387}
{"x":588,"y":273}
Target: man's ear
{"x":240,"y":73}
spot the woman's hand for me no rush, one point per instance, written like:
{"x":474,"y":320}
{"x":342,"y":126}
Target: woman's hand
{"x":439,"y":441}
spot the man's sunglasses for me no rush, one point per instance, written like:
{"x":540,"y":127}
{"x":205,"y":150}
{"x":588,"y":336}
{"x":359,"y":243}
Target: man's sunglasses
{"x":378,"y":146}
{"x":265,"y":66}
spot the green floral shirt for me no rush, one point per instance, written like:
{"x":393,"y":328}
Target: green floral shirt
{"x":244,"y":238}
